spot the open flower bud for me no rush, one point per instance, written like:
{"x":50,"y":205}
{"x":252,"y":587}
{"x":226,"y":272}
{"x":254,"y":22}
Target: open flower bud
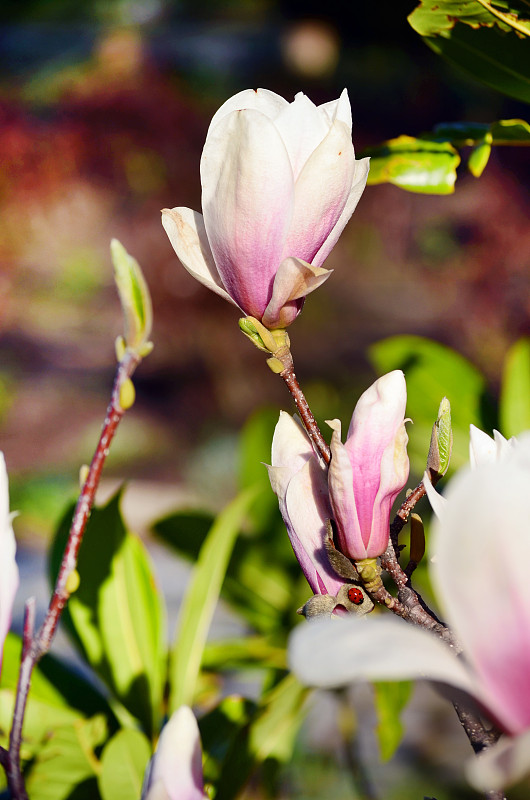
{"x":370,"y":469}
{"x":279,"y":183}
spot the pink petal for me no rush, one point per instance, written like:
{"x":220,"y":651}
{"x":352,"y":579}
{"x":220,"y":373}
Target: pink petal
{"x":176,"y":772}
{"x":482,"y":549}
{"x":294,"y":280}
{"x":343,"y":497}
{"x":247,"y":202}
{"x":321,"y":192}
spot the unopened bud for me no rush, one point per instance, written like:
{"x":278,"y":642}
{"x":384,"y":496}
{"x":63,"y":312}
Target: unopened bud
{"x":127,"y":394}
{"x":417,"y":538}
{"x":441,"y":442}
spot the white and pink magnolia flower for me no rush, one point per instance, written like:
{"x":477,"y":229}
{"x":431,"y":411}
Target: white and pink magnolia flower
{"x":8,"y":565}
{"x":300,"y":483}
{"x":481,"y":546}
{"x":367,"y":472}
{"x":363,"y":480}
{"x":175,"y":771}
{"x":279,"y":183}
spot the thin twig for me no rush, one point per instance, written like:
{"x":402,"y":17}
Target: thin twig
{"x":35,"y":647}
{"x":306,"y":415}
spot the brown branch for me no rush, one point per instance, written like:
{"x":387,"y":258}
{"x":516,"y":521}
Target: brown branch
{"x":34,"y":647}
{"x":310,"y":424}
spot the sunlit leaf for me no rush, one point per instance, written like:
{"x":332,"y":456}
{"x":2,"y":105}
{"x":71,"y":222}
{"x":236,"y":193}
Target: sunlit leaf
{"x":433,"y":371}
{"x":416,"y":164}
{"x":123,"y":764}
{"x":515,"y":392}
{"x":67,"y":762}
{"x":390,"y":700}
{"x":117,"y":615}
{"x":269,"y":735}
{"x":201,"y":598}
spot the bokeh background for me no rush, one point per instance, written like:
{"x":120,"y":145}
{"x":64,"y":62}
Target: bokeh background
{"x":104,"y":108}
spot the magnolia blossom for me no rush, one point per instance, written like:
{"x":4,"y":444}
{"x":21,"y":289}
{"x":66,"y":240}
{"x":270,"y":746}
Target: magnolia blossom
{"x":370,"y":469}
{"x":358,"y":490}
{"x":300,"y":482}
{"x":175,"y":771}
{"x":481,"y":546}
{"x":279,"y":183}
{"x":8,"y":565}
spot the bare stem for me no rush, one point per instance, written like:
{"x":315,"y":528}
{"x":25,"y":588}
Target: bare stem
{"x":306,"y":415}
{"x":34,"y":647}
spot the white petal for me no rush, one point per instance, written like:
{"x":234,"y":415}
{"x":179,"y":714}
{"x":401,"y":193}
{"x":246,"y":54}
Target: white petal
{"x":362,"y":168}
{"x":302,"y":128}
{"x":436,"y":500}
{"x":482,"y":448}
{"x":334,"y":653}
{"x":499,"y":766}
{"x":294,"y":280}
{"x":187,"y":234}
{"x":290,"y":444}
{"x":9,"y":578}
{"x":338,"y":109}
{"x":322,"y":190}
{"x":269,"y":103}
{"x":482,"y":547}
{"x":247,"y":199}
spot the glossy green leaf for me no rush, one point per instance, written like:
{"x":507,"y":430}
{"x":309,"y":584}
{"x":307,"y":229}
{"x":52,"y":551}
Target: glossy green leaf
{"x":251,"y":652}
{"x":123,"y":764}
{"x":433,"y":371}
{"x":502,"y":132}
{"x":515,"y":391}
{"x":201,"y":598}
{"x":488,"y":41}
{"x":117,"y":616}
{"x":390,"y":700}
{"x":416,"y":164}
{"x":270,"y":735}
{"x":66,"y":766}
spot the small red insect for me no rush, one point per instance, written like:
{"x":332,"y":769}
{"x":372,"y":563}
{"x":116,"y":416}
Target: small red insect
{"x":355,"y":595}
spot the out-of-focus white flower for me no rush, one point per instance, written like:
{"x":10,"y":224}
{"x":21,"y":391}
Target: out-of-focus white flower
{"x":175,"y":771}
{"x":8,"y":565}
{"x":481,"y":545}
{"x":279,"y":183}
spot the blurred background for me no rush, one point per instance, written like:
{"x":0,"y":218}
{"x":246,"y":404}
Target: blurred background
{"x":104,"y":108}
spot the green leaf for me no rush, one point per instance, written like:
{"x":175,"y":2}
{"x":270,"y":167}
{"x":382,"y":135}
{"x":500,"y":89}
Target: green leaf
{"x":117,"y":615}
{"x":502,"y":132}
{"x":390,"y":699}
{"x":487,"y":40}
{"x":219,"y":729}
{"x":416,"y":164}
{"x":433,"y":371}
{"x":123,"y":764}
{"x":515,"y":391}
{"x":269,"y":735}
{"x":255,"y":444}
{"x":67,"y":762}
{"x":134,"y":296}
{"x":251,"y":652}
{"x":201,"y":598}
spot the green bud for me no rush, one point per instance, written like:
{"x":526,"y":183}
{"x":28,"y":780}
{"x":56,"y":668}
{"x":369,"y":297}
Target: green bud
{"x":134,"y":296}
{"x":259,"y":335}
{"x":127,"y":394}
{"x":479,"y":157}
{"x":369,"y":573}
{"x":441,"y":444}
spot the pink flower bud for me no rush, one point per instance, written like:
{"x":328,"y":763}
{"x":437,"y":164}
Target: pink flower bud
{"x":8,"y":565}
{"x":279,"y":183}
{"x":300,"y":483}
{"x":370,"y":469}
{"x":175,"y":772}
